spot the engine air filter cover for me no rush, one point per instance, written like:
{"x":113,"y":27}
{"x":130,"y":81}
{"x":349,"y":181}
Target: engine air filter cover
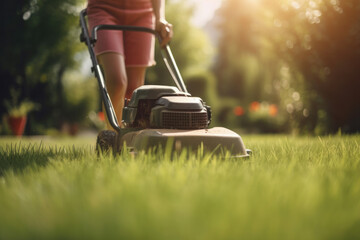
{"x":181,"y":103}
{"x":179,"y":112}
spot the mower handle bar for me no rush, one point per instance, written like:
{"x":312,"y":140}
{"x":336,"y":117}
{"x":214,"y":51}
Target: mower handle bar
{"x":172,"y":66}
{"x":90,"y":42}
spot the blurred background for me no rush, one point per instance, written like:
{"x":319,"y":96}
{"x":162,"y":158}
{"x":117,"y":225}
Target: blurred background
{"x":264,"y":66}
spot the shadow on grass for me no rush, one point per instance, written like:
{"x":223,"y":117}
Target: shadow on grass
{"x":17,"y":157}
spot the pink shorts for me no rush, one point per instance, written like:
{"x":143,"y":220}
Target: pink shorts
{"x":136,"y":47}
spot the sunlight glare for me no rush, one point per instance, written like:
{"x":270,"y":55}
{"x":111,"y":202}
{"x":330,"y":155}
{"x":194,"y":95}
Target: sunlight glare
{"x":204,"y":11}
{"x":295,"y":4}
{"x":253,"y":2}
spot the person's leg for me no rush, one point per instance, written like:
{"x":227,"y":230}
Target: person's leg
{"x":113,"y":65}
{"x":136,"y":78}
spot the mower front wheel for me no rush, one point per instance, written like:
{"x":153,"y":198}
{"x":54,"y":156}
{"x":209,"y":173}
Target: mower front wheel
{"x":106,"y":142}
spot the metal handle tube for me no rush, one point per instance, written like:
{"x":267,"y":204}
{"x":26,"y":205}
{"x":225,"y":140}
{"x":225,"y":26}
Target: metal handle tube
{"x":109,"y":109}
{"x":173,"y":69}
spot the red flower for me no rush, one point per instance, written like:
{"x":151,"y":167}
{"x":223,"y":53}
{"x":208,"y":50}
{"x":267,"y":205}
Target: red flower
{"x":254,"y":106}
{"x":239,"y":111}
{"x":101,"y":116}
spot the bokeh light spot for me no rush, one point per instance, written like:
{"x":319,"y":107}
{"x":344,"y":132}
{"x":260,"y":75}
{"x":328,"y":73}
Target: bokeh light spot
{"x":254,"y":106}
{"x":273,"y":110}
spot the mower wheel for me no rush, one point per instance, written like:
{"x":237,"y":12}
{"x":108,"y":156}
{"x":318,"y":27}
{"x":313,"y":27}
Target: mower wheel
{"x":105,"y":141}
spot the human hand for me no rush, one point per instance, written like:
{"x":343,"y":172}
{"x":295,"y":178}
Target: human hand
{"x":165,"y":30}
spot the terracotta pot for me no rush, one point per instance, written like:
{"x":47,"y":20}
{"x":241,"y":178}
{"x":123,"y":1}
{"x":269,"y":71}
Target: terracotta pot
{"x":17,"y":125}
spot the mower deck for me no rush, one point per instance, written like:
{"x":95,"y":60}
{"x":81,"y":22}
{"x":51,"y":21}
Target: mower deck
{"x":215,"y":140}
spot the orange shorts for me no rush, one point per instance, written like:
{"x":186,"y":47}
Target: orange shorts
{"x":136,"y":47}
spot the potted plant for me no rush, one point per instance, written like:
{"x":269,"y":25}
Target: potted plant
{"x":17,"y":113}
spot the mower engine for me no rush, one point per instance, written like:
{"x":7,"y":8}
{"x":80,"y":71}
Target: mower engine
{"x":155,"y":106}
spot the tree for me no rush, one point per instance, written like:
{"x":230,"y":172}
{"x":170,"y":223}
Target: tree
{"x":298,"y":48}
{"x":38,"y":45}
{"x":327,"y":53}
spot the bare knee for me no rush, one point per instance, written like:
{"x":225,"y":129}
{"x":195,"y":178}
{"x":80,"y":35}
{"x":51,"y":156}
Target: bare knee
{"x":116,"y":81}
{"x":114,"y":72}
{"x":136,"y":77}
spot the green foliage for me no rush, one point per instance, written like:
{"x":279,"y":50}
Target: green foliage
{"x":81,"y":97}
{"x":40,"y":44}
{"x":22,"y":109}
{"x":291,"y":188}
{"x":266,"y":119}
{"x":16,"y":108}
{"x":4,"y":126}
{"x":324,"y":48}
{"x":271,"y":50}
{"x":202,"y":84}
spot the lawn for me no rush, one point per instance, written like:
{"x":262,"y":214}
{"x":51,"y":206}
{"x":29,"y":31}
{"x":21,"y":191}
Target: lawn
{"x":291,"y":188}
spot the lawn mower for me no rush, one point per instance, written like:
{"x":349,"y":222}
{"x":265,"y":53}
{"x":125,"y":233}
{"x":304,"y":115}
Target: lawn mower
{"x":159,"y":116}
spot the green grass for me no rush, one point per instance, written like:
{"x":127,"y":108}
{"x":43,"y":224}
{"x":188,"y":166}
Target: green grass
{"x":291,"y":188}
